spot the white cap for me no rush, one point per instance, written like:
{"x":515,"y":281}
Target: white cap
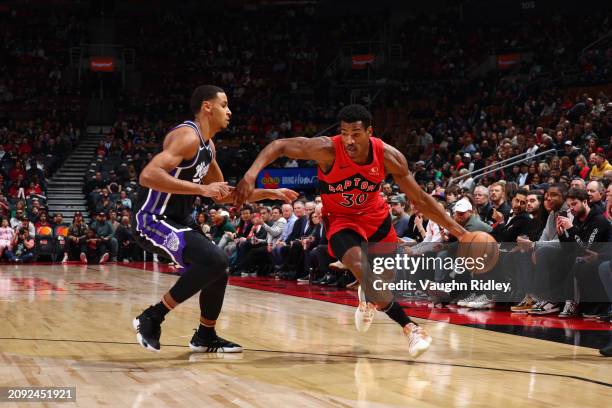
{"x":463,"y":205}
{"x":223,"y":213}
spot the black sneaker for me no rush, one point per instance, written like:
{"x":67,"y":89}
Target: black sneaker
{"x":148,"y":330}
{"x":606,"y":351}
{"x":607,"y":318}
{"x":214,"y":345}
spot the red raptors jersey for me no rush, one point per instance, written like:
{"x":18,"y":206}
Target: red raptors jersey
{"x":349,"y":188}
{"x":351,"y":192}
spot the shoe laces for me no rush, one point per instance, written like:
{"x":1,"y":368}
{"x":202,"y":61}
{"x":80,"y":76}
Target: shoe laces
{"x":367,"y":309}
{"x":417,"y":333}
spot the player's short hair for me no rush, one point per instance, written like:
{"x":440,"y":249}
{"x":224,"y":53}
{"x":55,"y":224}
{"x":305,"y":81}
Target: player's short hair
{"x":203,"y":93}
{"x":355,"y":113}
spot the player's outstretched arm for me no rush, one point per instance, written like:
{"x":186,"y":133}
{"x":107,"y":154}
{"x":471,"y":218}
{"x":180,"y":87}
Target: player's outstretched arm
{"x":319,"y":149}
{"x":396,"y":165}
{"x":258,"y":194}
{"x":180,"y":144}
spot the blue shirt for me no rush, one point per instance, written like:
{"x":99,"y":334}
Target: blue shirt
{"x":288,"y":228}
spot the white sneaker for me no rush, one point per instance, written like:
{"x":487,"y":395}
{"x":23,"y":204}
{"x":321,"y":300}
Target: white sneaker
{"x":337,"y":265}
{"x":418,"y":339}
{"x":480,"y":302}
{"x":364,"y":315}
{"x":65,"y":258}
{"x":570,"y":309}
{"x":83,"y":257}
{"x":544,"y":307}
{"x":464,"y":302}
{"x":104,"y":258}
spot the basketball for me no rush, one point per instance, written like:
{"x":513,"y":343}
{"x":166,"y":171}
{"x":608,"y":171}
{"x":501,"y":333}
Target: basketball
{"x":482,"y":248}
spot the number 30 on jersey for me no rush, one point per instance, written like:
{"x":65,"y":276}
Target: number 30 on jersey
{"x":353,"y":199}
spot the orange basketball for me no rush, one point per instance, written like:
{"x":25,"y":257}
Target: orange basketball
{"x":481,"y":248}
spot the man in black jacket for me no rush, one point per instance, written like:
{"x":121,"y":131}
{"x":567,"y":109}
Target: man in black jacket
{"x":501,"y":209}
{"x":519,"y":222}
{"x":597,"y":194}
{"x":589,"y":231}
{"x":483,"y":205}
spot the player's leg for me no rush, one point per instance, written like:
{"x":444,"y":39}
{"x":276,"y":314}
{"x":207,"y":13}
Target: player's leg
{"x":212,"y":295}
{"x":203,"y":262}
{"x":348,"y":246}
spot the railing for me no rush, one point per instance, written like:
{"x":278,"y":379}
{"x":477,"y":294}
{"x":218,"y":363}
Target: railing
{"x":603,"y":40}
{"x":521,"y":158}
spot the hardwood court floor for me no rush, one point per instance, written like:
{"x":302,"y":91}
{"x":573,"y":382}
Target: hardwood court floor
{"x":71,"y":326}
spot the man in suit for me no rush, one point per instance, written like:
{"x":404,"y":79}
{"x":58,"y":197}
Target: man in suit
{"x":297,"y":232}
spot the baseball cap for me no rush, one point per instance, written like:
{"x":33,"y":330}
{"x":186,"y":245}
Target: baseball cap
{"x":469,"y":156}
{"x":568,"y":142}
{"x":102,"y":213}
{"x":223,"y":213}
{"x":397,"y":199}
{"x":463,"y":205}
{"x":421,"y":162}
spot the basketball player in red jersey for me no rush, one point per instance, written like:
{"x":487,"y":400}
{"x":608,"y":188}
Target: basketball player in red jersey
{"x":351,"y":168}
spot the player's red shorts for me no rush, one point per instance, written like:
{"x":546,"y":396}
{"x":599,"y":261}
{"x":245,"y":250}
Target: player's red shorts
{"x":371,"y":229}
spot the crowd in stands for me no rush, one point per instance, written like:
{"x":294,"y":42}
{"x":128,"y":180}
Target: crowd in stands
{"x":34,"y":51}
{"x":275,"y":78}
{"x":40,"y":122}
{"x":30,"y":152}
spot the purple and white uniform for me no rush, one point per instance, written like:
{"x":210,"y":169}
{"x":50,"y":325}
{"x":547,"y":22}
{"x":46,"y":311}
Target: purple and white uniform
{"x":162,"y":219}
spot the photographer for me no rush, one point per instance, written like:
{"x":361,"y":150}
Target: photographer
{"x":94,"y":248}
{"x":23,"y":247}
{"x":76,"y":235}
{"x":128,"y":249}
{"x":104,"y":231}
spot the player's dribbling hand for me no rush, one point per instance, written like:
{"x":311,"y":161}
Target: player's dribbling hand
{"x":217,"y":190}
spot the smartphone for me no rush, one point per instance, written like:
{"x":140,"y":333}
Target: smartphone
{"x":562,"y":214}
